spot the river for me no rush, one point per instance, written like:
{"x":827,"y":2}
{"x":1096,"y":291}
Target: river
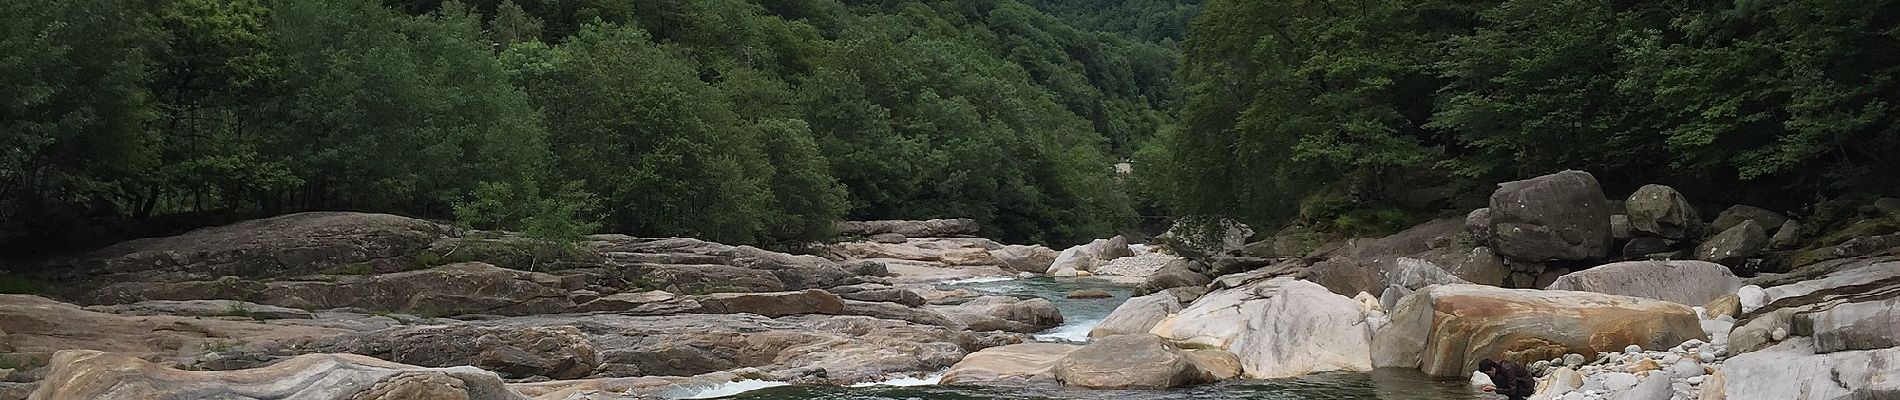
{"x":1081,"y":315}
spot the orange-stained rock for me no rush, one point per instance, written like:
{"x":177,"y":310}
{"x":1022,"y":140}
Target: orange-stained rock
{"x":87,"y":374}
{"x":1445,"y":330}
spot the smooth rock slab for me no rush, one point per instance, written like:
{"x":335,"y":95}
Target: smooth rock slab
{"x":1026,"y":364}
{"x":86,"y":375}
{"x":1137,"y":315}
{"x":1683,"y":281}
{"x":1792,"y":370}
{"x":1445,"y":330}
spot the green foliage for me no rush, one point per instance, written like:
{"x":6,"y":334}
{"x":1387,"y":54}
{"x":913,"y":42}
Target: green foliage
{"x":20,"y":284}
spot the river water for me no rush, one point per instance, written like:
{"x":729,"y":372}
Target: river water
{"x":1081,"y":315}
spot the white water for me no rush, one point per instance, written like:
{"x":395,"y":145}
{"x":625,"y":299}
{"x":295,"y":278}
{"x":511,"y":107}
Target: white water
{"x":980,"y":279}
{"x":931,"y":379}
{"x":722,"y":389}
{"x":1077,"y":331}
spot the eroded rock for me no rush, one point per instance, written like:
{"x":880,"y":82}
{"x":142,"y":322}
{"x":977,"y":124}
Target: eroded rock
{"x":1445,"y":330}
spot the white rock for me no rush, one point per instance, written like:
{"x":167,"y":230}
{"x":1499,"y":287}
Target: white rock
{"x":1479,"y":380}
{"x":1752,"y":298}
{"x":1792,"y":370}
{"x":1302,"y":329}
{"x":1671,"y":359}
{"x":1779,"y":334}
{"x":1700,"y":312}
{"x":1692,"y":343}
{"x":1696,"y":380}
{"x":1633,"y":349}
{"x":1654,"y":387}
{"x":1616,"y":381}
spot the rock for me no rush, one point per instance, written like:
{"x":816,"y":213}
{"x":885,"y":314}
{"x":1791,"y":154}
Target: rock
{"x":775,"y":304}
{"x":454,"y":289}
{"x":1479,"y":380}
{"x":698,"y":266}
{"x":1685,"y":282}
{"x":1662,"y":211}
{"x":1136,"y":361}
{"x":1002,"y":313}
{"x":889,"y":238}
{"x":85,"y":374}
{"x":1201,"y":238}
{"x":1652,"y":387}
{"x":1759,"y":332}
{"x":1217,"y":318}
{"x":1304,"y":329}
{"x":1090,"y":294}
{"x":958,"y":227}
{"x":1175,"y":274}
{"x":38,"y":325}
{"x":1729,"y":305}
{"x":1793,"y":370}
{"x":205,"y":308}
{"x":1620,"y":227}
{"x":1868,"y":325}
{"x":560,"y":352}
{"x":941,"y":252}
{"x":1025,"y":258}
{"x":885,"y":294}
{"x":1560,"y":381}
{"x":1027,"y":364}
{"x":1412,"y":273}
{"x":1645,"y":246}
{"x":1088,"y":256}
{"x":1714,"y":387}
{"x":1751,"y":298}
{"x":1391,"y":296}
{"x":282,"y":246}
{"x":1738,"y":214}
{"x":1478,"y":225}
{"x":1288,"y":244}
{"x":1786,"y":237}
{"x":1139,"y":314}
{"x":1561,"y":216}
{"x":1140,"y":266}
{"x":1214,"y":365}
{"x":1734,"y":246}
{"x":1445,"y":330}
{"x":1573,"y":360}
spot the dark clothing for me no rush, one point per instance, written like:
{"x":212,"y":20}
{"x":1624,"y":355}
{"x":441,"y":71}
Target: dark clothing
{"x":1512,"y":380}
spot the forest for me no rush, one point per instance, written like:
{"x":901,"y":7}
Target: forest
{"x":766,"y":121}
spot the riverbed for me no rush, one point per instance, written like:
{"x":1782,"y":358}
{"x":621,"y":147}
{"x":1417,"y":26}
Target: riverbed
{"x":1081,"y":315}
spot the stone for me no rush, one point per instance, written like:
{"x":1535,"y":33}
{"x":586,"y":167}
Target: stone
{"x":1561,"y":216}
{"x":1573,"y":360}
{"x":1560,"y":381}
{"x":1662,"y":211}
{"x":1215,"y":319}
{"x":939,"y":252}
{"x":86,"y":374}
{"x":1135,"y":361}
{"x":1868,"y":325}
{"x":1684,"y":281}
{"x":1652,"y":387}
{"x":1139,"y":314}
{"x":1751,"y":298}
{"x":1027,"y":364}
{"x":879,"y":293}
{"x":1003,"y":313}
{"x":205,"y":308}
{"x":37,"y":325}
{"x":1445,"y":330}
{"x":282,"y":246}
{"x":1793,"y":370}
{"x":1478,"y":225}
{"x":1645,"y":246}
{"x":1178,"y":273}
{"x":1200,"y":238}
{"x":1739,"y":213}
{"x":454,"y":289}
{"x":1620,"y":227}
{"x":1759,"y":332}
{"x":1729,"y":305}
{"x":560,"y":352}
{"x":1714,"y":387}
{"x":1088,"y":256}
{"x":1734,"y":246}
{"x":1139,"y":266}
{"x":1303,"y":329}
{"x":1090,"y":294}
{"x":958,"y":227}
{"x":1786,"y":237}
{"x":889,"y":238}
{"x":1034,"y":258}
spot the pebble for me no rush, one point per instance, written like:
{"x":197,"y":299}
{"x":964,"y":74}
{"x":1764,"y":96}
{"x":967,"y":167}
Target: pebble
{"x":1696,"y":380}
{"x":1693,"y":343}
{"x":1779,"y":334}
{"x":1633,"y":349}
{"x":1573,"y":360}
{"x":1700,"y":312}
{"x":1671,"y":359}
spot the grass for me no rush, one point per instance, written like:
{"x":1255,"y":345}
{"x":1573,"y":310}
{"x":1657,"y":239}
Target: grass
{"x":236,"y":309}
{"x":18,"y":362}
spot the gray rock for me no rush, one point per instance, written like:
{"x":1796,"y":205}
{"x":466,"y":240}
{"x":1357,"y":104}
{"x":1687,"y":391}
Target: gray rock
{"x":1793,"y":370}
{"x":889,"y":238}
{"x":1866,"y":325}
{"x":1178,"y":273}
{"x":1662,"y":211}
{"x":1088,"y":256}
{"x":1652,"y":387}
{"x":887,"y":294}
{"x":282,"y":246}
{"x":86,"y":374}
{"x":1025,"y":258}
{"x":1734,"y":246}
{"x":918,"y":229}
{"x":1002,"y":313}
{"x":1137,"y":315}
{"x":1620,"y":227}
{"x":1561,"y":216}
{"x":1685,"y":282}
{"x":1643,"y":246}
{"x":1478,"y":225}
{"x":205,"y":308}
{"x":1737,"y":214}
{"x":1787,"y":237}
{"x":1137,"y":361}
{"x":1200,"y":238}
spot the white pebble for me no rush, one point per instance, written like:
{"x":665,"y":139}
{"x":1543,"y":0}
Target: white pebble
{"x":1696,"y":380}
{"x":1693,"y":343}
{"x":1700,"y":313}
{"x":1779,"y":334}
{"x":1633,"y":349}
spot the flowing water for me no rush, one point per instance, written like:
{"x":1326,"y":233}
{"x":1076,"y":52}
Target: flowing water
{"x":1081,"y":315}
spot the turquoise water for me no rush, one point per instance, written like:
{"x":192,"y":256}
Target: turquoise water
{"x":1080,"y":315}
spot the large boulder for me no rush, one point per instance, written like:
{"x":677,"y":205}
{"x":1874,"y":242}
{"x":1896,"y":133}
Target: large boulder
{"x":1201,"y":238}
{"x":1685,"y":282}
{"x":560,"y":352}
{"x":944,"y":251}
{"x":1004,"y":313}
{"x":1662,"y":211}
{"x":778,"y":304}
{"x":959,"y":227}
{"x":1026,"y":364}
{"x":1025,"y":258}
{"x":1734,"y":246}
{"x":39,"y":325}
{"x":1137,"y":315}
{"x":1561,"y":216}
{"x":282,"y":246}
{"x":455,"y":289}
{"x":1134,"y":361}
{"x":1868,"y":325}
{"x":1179,"y":273}
{"x":86,"y":374}
{"x":1795,"y":370}
{"x":1304,"y":329}
{"x":1139,"y":266}
{"x":1445,"y":330}
{"x":1087,"y":257}
{"x":1739,"y":213}
{"x":694,"y":265}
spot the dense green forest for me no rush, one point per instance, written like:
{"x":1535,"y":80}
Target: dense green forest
{"x":764,"y":121}
{"x":1363,"y":115}
{"x":748,"y":121}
